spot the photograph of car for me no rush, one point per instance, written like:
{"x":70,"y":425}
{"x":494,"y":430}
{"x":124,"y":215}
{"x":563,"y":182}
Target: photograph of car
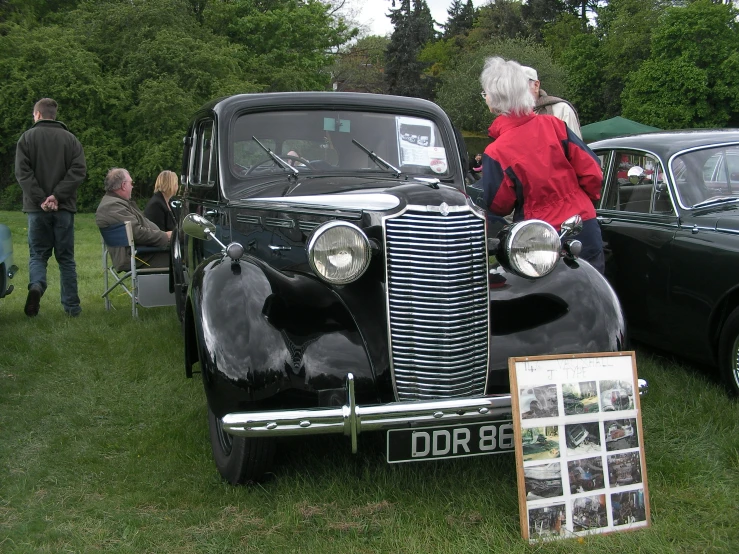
{"x":585,"y":475}
{"x":589,"y":513}
{"x":540,"y":443}
{"x":543,"y":481}
{"x":620,"y":434}
{"x":616,"y":396}
{"x":548,"y":521}
{"x":582,"y":438}
{"x":580,"y":398}
{"x":628,"y":507}
{"x":349,"y":289}
{"x":624,"y":469}
{"x":669,"y":216}
{"x":538,"y":402}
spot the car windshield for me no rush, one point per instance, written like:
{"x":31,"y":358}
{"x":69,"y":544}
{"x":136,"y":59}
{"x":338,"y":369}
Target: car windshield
{"x":706,"y":177}
{"x":321,"y":141}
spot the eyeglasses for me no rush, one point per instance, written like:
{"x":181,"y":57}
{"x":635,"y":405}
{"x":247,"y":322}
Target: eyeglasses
{"x":484,"y":94}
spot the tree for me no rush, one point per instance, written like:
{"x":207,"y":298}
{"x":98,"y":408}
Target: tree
{"x":361,"y":67}
{"x":287,"y":44}
{"x":413,"y":28}
{"x":538,"y":13}
{"x":461,"y":18}
{"x":128,"y":74}
{"x":691,"y":78}
{"x":497,"y":21}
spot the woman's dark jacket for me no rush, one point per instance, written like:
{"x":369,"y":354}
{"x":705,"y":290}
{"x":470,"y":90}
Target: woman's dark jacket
{"x":157,"y":211}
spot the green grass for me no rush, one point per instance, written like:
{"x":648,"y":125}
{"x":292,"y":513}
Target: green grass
{"x":104,"y":447}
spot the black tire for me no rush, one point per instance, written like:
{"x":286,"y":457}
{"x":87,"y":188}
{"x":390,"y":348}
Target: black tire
{"x":729,"y":352}
{"x":240,"y":460}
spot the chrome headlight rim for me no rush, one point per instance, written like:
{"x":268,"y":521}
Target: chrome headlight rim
{"x":319,"y":232}
{"x":514,"y":234}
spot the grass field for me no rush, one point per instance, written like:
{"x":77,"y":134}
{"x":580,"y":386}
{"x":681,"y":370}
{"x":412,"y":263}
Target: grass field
{"x":104,"y":448}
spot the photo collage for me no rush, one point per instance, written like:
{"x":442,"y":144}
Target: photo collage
{"x":579,"y":452}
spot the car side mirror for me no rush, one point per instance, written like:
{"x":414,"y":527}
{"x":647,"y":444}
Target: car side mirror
{"x":636,"y":175}
{"x":197,"y":226}
{"x":571,"y":226}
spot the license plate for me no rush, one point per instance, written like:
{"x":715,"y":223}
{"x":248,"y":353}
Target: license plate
{"x":454,"y":441}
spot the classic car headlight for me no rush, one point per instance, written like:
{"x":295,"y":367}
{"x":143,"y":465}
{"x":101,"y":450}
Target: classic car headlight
{"x":339,"y":252}
{"x":533,"y":248}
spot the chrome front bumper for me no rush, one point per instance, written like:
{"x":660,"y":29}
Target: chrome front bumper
{"x":351,"y":420}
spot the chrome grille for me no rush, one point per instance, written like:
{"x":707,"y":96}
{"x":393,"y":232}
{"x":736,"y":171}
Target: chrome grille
{"x":437,"y":304}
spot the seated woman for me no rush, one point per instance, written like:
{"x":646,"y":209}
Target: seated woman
{"x":158,"y":209}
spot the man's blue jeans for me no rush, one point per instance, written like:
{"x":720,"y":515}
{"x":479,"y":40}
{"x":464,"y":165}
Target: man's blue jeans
{"x":47,"y":232}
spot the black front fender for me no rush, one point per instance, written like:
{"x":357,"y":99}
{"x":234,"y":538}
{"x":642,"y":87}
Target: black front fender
{"x":261,"y":332}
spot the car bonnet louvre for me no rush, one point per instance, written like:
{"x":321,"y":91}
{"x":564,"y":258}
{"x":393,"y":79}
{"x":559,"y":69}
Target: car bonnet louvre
{"x":435,"y":265}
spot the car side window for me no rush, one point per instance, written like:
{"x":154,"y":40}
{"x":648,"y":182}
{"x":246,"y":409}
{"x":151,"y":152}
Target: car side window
{"x":203,"y":164}
{"x":644,"y":192}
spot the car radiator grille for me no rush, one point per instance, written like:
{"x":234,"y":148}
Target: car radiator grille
{"x":437,"y":304}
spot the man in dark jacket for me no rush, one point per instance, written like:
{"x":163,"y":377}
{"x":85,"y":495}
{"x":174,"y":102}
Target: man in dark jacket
{"x":117,"y":207}
{"x":49,"y":166}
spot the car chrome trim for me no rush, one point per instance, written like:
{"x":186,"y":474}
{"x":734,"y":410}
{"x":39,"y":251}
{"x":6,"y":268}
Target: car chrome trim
{"x":352,"y":419}
{"x":428,"y":281}
{"x":725,"y":230}
{"x":346,"y":201}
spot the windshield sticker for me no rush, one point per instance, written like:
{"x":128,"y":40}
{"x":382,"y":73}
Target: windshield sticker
{"x":437,"y":159}
{"x":415,"y":139}
{"x":331,"y":124}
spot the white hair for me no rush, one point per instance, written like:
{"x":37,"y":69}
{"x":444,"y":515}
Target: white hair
{"x":506,"y":86}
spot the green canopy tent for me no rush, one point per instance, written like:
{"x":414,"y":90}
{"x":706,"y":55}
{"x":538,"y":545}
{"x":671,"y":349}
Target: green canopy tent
{"x":614,"y":127}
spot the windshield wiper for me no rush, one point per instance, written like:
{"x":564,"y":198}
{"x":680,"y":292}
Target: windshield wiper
{"x":282,"y":163}
{"x":716,"y":200}
{"x":377,"y":159}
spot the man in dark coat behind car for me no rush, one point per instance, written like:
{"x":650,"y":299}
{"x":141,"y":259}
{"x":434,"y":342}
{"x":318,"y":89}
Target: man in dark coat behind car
{"x":49,"y":166}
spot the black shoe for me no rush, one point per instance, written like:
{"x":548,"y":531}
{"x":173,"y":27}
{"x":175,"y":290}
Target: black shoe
{"x":33,"y":301}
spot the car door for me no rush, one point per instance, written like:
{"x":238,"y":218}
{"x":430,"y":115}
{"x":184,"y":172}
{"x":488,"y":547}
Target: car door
{"x":638,"y":222}
{"x":201,"y":194}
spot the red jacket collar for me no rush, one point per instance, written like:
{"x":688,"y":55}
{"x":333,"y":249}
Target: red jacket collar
{"x":503,"y":123}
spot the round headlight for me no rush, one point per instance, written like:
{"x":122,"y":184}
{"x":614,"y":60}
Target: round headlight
{"x":533,"y":248}
{"x":339,"y":252}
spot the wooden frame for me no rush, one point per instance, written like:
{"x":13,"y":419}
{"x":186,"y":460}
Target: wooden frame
{"x":578,"y":439}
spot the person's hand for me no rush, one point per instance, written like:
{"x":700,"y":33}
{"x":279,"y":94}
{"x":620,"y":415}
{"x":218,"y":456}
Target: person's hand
{"x":169,"y":235}
{"x":51,"y":204}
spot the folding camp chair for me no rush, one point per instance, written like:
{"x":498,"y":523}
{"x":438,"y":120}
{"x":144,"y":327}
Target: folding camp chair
{"x":147,"y":286}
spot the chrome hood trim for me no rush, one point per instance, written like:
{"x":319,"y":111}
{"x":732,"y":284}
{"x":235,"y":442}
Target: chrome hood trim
{"x":344,"y":201}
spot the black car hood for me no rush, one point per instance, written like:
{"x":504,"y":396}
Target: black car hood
{"x":351,"y":193}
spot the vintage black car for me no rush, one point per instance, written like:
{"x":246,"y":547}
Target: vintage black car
{"x":333,"y":276}
{"x":670,"y":221}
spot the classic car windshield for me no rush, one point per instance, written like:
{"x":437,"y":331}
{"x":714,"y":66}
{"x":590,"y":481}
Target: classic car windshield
{"x":320,"y":141}
{"x":707,"y":176}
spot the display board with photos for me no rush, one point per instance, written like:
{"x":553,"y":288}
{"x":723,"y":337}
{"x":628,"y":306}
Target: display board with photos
{"x":579,"y":448}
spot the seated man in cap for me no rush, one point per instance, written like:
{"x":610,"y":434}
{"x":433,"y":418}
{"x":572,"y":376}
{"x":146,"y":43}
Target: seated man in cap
{"x":551,"y":105}
{"x":117,"y":207}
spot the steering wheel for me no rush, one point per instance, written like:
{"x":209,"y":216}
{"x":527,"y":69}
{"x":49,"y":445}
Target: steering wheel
{"x":297,"y":159}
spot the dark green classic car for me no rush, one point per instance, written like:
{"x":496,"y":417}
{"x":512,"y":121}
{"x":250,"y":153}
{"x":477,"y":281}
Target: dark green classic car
{"x":669,"y":214}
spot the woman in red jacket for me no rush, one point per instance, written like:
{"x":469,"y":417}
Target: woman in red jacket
{"x":536,"y":167}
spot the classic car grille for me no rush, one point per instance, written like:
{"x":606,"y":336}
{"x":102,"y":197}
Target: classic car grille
{"x":437,"y":304}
